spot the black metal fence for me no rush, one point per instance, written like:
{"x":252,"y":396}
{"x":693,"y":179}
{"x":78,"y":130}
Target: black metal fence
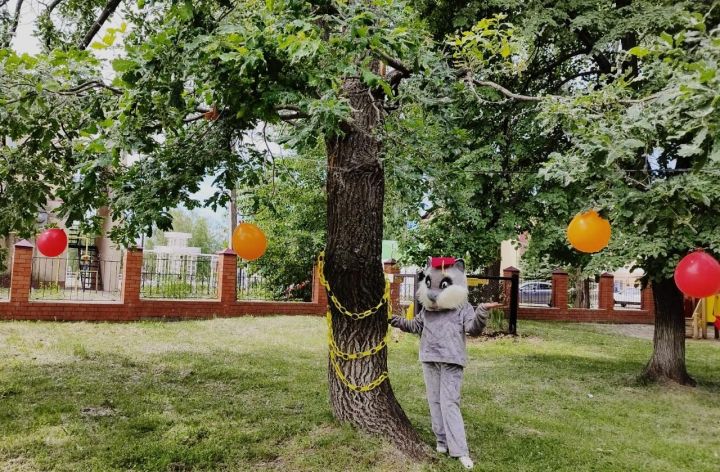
{"x":255,"y":286}
{"x":185,"y":276}
{"x":83,"y":278}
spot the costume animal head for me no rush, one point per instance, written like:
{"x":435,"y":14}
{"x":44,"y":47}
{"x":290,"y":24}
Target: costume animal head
{"x":443,"y":284}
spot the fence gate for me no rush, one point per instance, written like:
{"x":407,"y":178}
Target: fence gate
{"x":408,"y":289}
{"x":480,"y":280}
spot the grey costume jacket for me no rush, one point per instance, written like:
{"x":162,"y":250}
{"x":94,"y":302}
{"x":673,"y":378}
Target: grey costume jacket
{"x":442,"y":333}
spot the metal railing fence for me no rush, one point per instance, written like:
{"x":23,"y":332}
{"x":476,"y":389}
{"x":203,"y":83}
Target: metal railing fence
{"x":182,"y":276}
{"x":76,"y":278}
{"x":256,"y":286}
{"x":535,"y":292}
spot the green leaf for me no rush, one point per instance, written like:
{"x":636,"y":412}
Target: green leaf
{"x":108,"y":39}
{"x":123,"y":65}
{"x":687,"y":150}
{"x":369,"y":77}
{"x":505,"y":48}
{"x":633,"y":143}
{"x":639,"y":51}
{"x":667,"y":38}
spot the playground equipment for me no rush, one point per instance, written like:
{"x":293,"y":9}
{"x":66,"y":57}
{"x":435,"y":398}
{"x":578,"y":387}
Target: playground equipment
{"x":707,"y":311}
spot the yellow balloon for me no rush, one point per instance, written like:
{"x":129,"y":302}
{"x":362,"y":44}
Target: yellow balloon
{"x":248,"y":241}
{"x":589,"y":232}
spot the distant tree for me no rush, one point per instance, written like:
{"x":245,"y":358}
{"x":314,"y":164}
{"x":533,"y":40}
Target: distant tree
{"x":291,"y":210}
{"x":208,"y":239}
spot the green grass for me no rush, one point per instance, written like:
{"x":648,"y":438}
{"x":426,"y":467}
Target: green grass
{"x":250,"y":394}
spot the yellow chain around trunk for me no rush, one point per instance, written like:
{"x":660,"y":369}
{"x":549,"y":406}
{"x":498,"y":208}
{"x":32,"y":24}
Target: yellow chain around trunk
{"x":335,"y":351}
{"x":356,"y":316}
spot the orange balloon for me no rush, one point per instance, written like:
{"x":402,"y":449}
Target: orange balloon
{"x":588,"y":232}
{"x":249,"y":242}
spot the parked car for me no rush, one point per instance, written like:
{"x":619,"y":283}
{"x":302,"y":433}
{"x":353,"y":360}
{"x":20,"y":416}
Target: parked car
{"x":627,"y":296}
{"x":535,"y":293}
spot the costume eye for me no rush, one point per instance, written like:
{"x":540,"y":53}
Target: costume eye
{"x":428,"y":282}
{"x":445,"y":283}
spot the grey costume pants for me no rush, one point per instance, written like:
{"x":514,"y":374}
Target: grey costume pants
{"x":443,"y":383}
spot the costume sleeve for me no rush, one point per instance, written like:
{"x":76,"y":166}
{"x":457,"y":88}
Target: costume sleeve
{"x":474,"y":321}
{"x":414,"y":325}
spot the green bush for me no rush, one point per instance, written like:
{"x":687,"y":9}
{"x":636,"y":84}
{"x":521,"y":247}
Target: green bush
{"x":496,"y":320}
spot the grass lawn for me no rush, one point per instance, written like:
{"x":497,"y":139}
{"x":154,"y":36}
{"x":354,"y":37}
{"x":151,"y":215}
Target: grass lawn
{"x":250,"y":394}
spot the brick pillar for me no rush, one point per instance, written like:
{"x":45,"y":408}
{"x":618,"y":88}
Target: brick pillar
{"x":21,"y":275}
{"x":508,"y":272}
{"x":647,"y":302}
{"x":606,"y":297}
{"x":559,"y":297}
{"x":227,"y":276}
{"x":132,"y":273}
{"x":392,"y":270}
{"x":319,"y":295}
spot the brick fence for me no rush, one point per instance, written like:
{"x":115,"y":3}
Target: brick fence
{"x":132,"y":307}
{"x":559,"y":310}
{"x":604,"y":313}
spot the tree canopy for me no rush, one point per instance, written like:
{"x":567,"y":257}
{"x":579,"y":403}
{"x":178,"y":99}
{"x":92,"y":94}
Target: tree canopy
{"x":493,"y":117}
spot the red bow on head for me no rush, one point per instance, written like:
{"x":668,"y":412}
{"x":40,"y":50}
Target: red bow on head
{"x":441,"y":262}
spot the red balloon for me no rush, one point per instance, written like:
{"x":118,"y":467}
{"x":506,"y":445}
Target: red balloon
{"x":52,"y":242}
{"x":698,"y":275}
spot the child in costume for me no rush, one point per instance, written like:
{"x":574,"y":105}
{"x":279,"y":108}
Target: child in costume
{"x":444,"y":320}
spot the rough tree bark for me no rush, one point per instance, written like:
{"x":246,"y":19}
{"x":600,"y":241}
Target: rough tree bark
{"x":356,"y":189}
{"x":668,"y":358}
{"x":582,"y":291}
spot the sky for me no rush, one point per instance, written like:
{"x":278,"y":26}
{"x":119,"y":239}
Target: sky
{"x":25,"y":42}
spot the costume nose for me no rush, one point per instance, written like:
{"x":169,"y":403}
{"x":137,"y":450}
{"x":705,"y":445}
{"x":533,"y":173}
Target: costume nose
{"x":432,"y":295}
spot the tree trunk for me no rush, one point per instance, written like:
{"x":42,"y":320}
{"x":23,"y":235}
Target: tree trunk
{"x":233,"y":213}
{"x":668,"y":358}
{"x":356,"y":188}
{"x":582,"y":292}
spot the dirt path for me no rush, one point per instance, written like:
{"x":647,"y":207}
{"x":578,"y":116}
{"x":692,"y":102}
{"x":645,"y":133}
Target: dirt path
{"x":641,"y":331}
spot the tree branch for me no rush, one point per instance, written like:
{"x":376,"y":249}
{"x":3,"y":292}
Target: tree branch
{"x":14,"y":24}
{"x":602,"y":61}
{"x":396,"y":64}
{"x":508,"y":93}
{"x":578,"y":75}
{"x":52,"y":6}
{"x":84,"y":87}
{"x":109,"y":9}
{"x":298,"y":113}
{"x":536,"y":99}
{"x":293,"y":116}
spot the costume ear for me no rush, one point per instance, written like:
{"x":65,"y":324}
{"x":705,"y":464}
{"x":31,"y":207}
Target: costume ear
{"x":460,"y":264}
{"x":421,"y":275}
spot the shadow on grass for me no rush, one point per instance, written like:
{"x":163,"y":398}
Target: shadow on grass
{"x":613,"y":370}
